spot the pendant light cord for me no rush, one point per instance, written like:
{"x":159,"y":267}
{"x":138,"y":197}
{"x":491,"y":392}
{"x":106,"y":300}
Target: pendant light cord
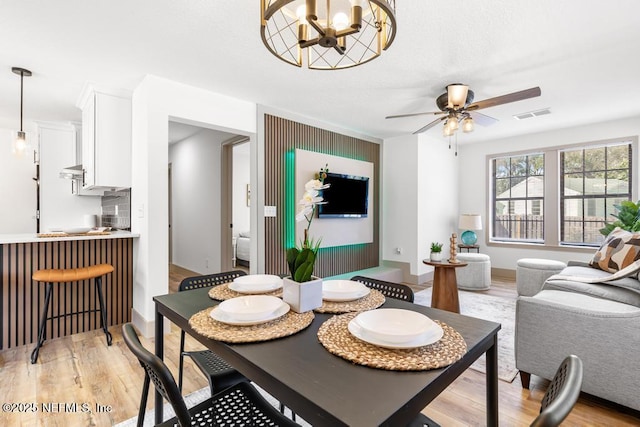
{"x":21,"y":92}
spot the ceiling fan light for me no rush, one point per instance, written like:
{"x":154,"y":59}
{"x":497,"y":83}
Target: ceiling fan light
{"x":467,"y":125}
{"x":446,"y":131}
{"x":457,"y":95}
{"x":452,"y":123}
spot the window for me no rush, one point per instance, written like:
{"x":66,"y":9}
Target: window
{"x":592,"y":180}
{"x":576,"y":186}
{"x":518,"y":189}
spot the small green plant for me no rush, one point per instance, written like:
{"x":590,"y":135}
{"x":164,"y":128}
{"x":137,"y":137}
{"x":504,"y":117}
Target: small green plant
{"x":627,"y":218}
{"x":436,"y":247}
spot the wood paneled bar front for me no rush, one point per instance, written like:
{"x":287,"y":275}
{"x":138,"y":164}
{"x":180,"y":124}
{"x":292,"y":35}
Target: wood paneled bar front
{"x":22,"y":299}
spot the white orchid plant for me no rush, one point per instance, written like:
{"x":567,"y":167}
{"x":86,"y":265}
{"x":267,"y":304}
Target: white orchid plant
{"x":302,"y":260}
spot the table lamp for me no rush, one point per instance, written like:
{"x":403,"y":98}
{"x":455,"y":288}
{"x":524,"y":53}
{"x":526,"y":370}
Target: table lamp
{"x":469,"y":222}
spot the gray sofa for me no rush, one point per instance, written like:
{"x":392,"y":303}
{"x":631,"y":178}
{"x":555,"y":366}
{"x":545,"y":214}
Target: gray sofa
{"x":598,"y":322}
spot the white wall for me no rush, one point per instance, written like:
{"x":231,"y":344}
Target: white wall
{"x":419,"y":198}
{"x":196,"y":194}
{"x":17,"y":188}
{"x":155,"y":101}
{"x":241,"y":178}
{"x":474,"y":180}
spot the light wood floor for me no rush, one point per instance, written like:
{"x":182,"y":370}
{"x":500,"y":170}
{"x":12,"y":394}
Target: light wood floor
{"x":82,"y":370}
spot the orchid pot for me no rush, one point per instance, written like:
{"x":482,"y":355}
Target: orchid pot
{"x":302,"y":296}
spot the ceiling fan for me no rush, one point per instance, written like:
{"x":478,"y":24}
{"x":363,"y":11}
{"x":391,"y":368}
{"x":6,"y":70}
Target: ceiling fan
{"x":457,"y":108}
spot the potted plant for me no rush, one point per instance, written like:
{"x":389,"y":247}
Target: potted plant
{"x":627,"y":218}
{"x":436,"y":252}
{"x":302,"y":291}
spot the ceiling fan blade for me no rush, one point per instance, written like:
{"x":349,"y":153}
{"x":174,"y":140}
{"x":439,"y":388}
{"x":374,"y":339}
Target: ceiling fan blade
{"x":430,"y":125}
{"x":415,"y":114}
{"x":482,"y":119}
{"x":505,"y":99}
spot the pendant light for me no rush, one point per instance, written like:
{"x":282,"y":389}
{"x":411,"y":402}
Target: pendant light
{"x":20,"y":142}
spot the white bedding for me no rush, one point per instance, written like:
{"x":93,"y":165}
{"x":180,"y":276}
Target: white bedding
{"x":242,"y":248}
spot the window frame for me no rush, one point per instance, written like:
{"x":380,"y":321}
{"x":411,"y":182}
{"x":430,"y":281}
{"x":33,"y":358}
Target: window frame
{"x":551,"y":198}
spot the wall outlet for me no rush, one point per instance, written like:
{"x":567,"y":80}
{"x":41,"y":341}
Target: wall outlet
{"x":270,"y":211}
{"x":399,"y":251}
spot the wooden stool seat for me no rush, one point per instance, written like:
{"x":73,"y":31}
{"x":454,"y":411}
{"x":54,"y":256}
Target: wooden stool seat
{"x":51,"y":276}
{"x":72,"y":274}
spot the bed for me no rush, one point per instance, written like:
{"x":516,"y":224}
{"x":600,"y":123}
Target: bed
{"x":242,"y":249}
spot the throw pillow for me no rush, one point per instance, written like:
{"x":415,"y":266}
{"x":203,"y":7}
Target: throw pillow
{"x":619,"y":250}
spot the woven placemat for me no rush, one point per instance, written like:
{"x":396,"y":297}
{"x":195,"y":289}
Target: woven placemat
{"x":93,"y":233}
{"x":336,"y":338}
{"x":373,"y":300}
{"x":222,"y":293}
{"x":284,"y":326}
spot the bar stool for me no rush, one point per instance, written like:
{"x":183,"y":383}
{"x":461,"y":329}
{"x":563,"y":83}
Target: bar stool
{"x":52,"y":276}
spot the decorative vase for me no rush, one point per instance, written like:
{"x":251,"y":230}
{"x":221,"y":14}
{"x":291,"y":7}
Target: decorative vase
{"x":436,"y":256}
{"x":303,"y":296}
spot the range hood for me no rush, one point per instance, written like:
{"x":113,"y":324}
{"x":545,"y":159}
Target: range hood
{"x":72,"y":172}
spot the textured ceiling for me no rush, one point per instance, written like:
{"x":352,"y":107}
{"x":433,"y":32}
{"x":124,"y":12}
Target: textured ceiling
{"x":583,"y":55}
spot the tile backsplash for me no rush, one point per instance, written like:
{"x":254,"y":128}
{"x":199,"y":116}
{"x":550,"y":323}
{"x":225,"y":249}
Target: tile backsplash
{"x":116,"y":209}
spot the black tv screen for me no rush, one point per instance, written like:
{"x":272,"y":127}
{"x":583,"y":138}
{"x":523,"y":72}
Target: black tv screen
{"x":347,"y":197}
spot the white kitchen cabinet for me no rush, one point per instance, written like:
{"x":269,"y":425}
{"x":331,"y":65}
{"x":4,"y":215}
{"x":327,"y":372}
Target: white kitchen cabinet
{"x":106,"y":138}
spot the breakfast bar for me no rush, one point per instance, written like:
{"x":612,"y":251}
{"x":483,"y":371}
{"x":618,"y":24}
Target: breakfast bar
{"x":22,"y":299}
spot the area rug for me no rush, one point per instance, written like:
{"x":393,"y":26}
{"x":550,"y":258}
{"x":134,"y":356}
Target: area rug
{"x":193,"y":399}
{"x":496,"y":309}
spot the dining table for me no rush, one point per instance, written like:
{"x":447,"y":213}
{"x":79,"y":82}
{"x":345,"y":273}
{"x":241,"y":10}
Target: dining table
{"x":326,"y":390}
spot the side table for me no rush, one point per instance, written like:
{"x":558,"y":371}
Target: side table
{"x":445,"y":285}
{"x":469,"y":248}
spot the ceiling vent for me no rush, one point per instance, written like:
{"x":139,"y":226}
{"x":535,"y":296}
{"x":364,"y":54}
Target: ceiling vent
{"x":530,"y":114}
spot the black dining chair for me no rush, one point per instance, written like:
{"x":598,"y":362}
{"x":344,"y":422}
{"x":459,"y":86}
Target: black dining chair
{"x":562,"y":394}
{"x":388,"y":289}
{"x":240,"y":404}
{"x":219,"y":373}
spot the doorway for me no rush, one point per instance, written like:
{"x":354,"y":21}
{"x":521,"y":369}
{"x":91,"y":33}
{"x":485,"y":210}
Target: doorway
{"x":201,"y":198}
{"x":236,"y":169}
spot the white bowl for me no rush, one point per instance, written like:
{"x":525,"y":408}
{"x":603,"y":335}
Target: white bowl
{"x":251,"y":307}
{"x":343,"y":290}
{"x":256,"y":283}
{"x":394,"y":325}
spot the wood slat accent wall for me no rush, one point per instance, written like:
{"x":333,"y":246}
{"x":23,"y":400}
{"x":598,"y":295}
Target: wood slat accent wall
{"x":283,"y":136}
{"x":22,"y":299}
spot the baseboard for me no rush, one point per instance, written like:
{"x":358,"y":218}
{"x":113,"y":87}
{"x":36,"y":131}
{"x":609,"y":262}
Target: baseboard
{"x":407,"y":277}
{"x":147,"y":328}
{"x":503,"y":273}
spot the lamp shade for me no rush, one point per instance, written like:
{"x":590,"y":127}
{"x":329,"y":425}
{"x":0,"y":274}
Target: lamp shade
{"x":470,"y":222}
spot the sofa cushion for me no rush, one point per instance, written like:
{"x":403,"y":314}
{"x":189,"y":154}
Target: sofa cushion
{"x":626,"y":290}
{"x":619,"y":250}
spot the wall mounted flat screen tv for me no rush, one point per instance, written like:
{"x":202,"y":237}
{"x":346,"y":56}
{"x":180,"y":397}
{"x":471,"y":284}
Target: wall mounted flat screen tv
{"x":347,"y":197}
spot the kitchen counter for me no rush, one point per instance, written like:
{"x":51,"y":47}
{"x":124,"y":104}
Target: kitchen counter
{"x":22,"y":298}
{"x":33,"y":238}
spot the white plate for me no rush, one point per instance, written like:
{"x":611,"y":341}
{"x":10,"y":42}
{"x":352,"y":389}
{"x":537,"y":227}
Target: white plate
{"x":343,"y":290}
{"x":251,"y":307}
{"x":256,"y":283}
{"x":394,"y":325}
{"x":76,"y":230}
{"x":220,"y":316}
{"x":430,"y":337}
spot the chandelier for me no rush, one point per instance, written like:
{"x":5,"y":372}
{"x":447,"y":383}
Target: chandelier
{"x":334,"y":33}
